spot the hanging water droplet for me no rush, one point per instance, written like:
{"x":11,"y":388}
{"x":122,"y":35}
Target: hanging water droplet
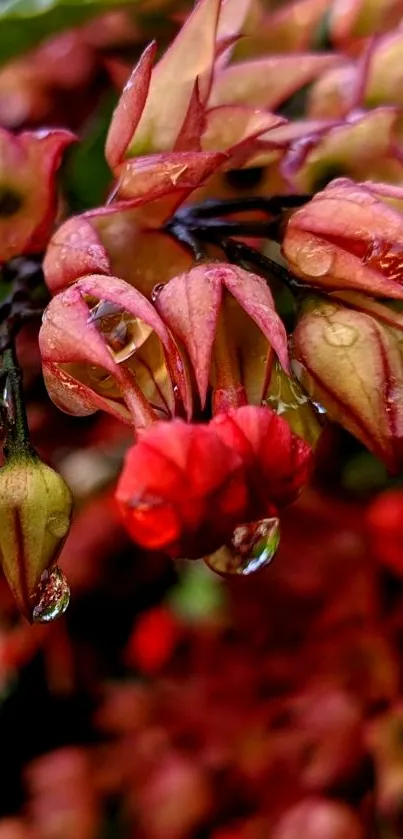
{"x":319,"y":408}
{"x":52,"y":596}
{"x":6,"y":400}
{"x":123,"y":332}
{"x":156,"y":291}
{"x":251,"y":548}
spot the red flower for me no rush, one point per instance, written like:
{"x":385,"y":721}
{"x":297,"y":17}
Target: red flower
{"x":385,"y":526}
{"x":185,"y":488}
{"x":182,"y":489}
{"x":278,"y":462}
{"x":28,"y":193}
{"x":153,"y":640}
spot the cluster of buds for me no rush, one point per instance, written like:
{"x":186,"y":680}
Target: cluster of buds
{"x":138,"y":328}
{"x":151,"y":323}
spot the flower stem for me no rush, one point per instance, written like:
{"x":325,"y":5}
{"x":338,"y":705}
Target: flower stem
{"x":17,"y":442}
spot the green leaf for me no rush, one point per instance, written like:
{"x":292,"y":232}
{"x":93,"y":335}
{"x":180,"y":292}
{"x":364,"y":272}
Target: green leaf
{"x":24,"y":23}
{"x":86,"y":177}
{"x":199,"y":595}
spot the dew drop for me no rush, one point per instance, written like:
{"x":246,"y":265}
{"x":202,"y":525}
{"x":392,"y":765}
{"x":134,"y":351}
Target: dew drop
{"x":251,"y":548}
{"x":58,"y":524}
{"x":156,"y":291}
{"x":319,"y":408}
{"x":315,"y":260}
{"x":123,"y":333}
{"x":103,"y":309}
{"x":341,"y":335}
{"x":52,"y":596}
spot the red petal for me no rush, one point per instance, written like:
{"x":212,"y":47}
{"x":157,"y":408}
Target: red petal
{"x":254,"y":295}
{"x":190,"y":56}
{"x":190,"y":304}
{"x":164,"y":174}
{"x":267,"y":82}
{"x":74,"y":251}
{"x":129,"y":109}
{"x":279,"y":462}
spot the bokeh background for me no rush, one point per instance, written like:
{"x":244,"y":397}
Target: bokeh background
{"x":169,"y":703}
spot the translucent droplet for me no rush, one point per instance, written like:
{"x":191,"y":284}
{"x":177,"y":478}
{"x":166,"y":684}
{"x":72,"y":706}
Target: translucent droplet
{"x":251,"y":548}
{"x":319,"y":408}
{"x":315,"y":260}
{"x":123,"y":332}
{"x":52,"y":596}
{"x":341,"y":335}
{"x":156,"y":291}
{"x":103,"y":309}
{"x":58,"y":525}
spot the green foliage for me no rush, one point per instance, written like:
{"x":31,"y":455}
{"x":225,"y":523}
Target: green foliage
{"x":199,"y":594}
{"x":24,"y":23}
{"x":86,"y":175}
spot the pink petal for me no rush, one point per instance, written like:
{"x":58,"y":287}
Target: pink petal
{"x":254,"y":295}
{"x":189,"y":304}
{"x":268,"y":82}
{"x":163,"y":174}
{"x":129,"y":108}
{"x":229,"y":126}
{"x":74,"y":250}
{"x":233,"y":14}
{"x":190,"y":56}
{"x":364,"y":144}
{"x":193,"y":125}
{"x":29,"y":165}
{"x":131,"y":300}
{"x":347,"y":239}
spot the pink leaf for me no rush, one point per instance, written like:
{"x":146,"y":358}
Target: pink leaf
{"x":129,"y":108}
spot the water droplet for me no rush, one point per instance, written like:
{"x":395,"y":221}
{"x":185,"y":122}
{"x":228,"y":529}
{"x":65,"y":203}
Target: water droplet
{"x":341,"y":335}
{"x":123,"y":332}
{"x":5,"y":397}
{"x":103,"y":309}
{"x":156,"y":291}
{"x":58,"y":525}
{"x":251,"y":548}
{"x":315,"y":260}
{"x":52,"y":596}
{"x":320,"y":409}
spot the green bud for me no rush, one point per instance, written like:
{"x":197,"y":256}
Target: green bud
{"x":35,"y":514}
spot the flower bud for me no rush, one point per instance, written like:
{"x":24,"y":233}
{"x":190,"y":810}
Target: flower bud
{"x":35,"y":512}
{"x":352,"y":365}
{"x":348,"y":238}
{"x":278,"y":463}
{"x":182,"y":490}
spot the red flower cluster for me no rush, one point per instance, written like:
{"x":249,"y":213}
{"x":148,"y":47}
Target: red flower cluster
{"x":184,"y":488}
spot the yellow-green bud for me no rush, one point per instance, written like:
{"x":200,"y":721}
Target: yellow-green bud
{"x":35,"y":513}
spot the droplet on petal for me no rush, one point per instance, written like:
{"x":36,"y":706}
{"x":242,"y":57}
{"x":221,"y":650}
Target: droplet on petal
{"x":319,"y":408}
{"x":341,"y":335}
{"x":251,"y":548}
{"x":316,"y":260}
{"x":157,"y":291}
{"x":52,"y":596}
{"x":123,"y":332}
